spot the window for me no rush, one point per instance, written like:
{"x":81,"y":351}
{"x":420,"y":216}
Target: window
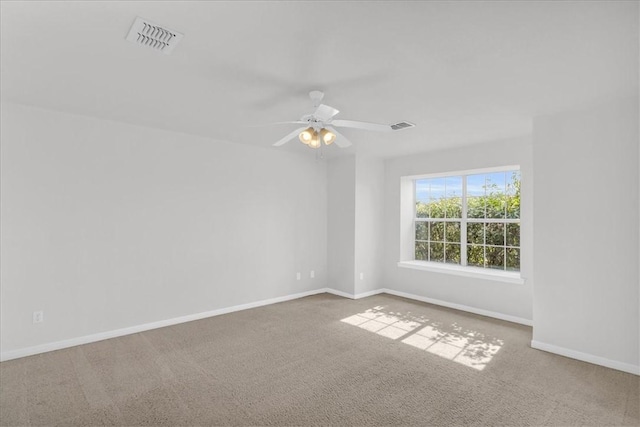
{"x":469,"y":219}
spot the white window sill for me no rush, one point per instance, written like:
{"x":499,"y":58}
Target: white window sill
{"x":479,"y":273}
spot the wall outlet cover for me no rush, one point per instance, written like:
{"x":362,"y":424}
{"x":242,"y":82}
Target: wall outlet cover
{"x":38,"y":316}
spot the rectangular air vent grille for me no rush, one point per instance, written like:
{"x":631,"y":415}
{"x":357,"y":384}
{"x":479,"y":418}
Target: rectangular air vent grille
{"x":147,"y":34}
{"x":402,"y":125}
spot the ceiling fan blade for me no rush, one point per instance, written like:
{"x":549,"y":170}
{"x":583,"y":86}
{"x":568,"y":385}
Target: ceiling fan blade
{"x":277,"y":123}
{"x":289,"y":137}
{"x":361,"y":125}
{"x":341,"y":141}
{"x":324,"y":112}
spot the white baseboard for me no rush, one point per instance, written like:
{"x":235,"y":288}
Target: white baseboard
{"x":354,"y":296}
{"x":585,"y":357}
{"x":461,"y":307}
{"x":58,"y":345}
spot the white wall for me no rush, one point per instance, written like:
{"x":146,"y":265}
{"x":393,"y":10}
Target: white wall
{"x":586,"y":218}
{"x":508,"y":299}
{"x":107,"y":225}
{"x":369,"y":214}
{"x":355,"y":190}
{"x":341,"y":208}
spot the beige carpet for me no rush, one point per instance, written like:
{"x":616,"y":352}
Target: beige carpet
{"x":321,"y":360}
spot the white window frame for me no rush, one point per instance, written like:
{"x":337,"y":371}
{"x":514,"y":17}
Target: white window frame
{"x":407,"y":229}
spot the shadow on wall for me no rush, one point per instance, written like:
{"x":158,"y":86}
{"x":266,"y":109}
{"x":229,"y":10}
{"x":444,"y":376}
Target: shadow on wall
{"x":453,"y":342}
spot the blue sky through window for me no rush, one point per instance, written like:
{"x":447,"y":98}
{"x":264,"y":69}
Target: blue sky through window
{"x":437,"y":188}
{"x":475,"y":185}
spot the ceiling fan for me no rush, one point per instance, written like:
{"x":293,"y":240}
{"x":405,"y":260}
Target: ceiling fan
{"x":319,"y":126}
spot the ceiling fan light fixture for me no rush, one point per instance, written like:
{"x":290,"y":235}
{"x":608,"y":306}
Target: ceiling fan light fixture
{"x":315,"y":140}
{"x":306,"y":136}
{"x":327,"y":136}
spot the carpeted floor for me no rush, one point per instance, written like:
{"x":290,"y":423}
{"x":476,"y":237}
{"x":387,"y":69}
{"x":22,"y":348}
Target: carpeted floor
{"x":320,"y":360}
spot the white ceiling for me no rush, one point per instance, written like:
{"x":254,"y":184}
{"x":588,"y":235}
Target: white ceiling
{"x":464,"y":72}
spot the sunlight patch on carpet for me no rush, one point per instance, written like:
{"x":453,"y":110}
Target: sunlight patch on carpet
{"x":462,"y":345}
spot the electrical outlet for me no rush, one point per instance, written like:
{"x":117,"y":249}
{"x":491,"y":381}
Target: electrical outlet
{"x":298,"y":276}
{"x":38,"y":316}
{"x":312,"y":274}
{"x":361,"y":276}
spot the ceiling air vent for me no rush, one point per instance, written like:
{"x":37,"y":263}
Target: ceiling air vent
{"x":402,"y":125}
{"x":147,"y":34}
